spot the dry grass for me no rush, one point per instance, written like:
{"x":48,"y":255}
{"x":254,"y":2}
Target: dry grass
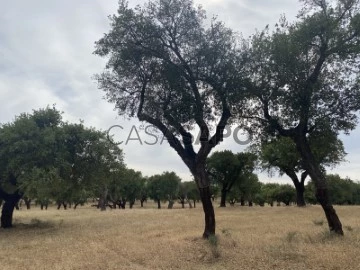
{"x":247,"y":238}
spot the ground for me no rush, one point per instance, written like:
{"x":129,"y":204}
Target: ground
{"x":247,"y":238}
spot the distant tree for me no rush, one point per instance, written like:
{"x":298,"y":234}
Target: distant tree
{"x":304,"y":78}
{"x":164,"y":187}
{"x":188,"y":192}
{"x":268,"y":193}
{"x":342,"y":190}
{"x":285,"y":194}
{"x":193,"y":192}
{"x":228,"y":169}
{"x":171,"y":68}
{"x":131,"y":186}
{"x":144,"y":194}
{"x":248,"y":187}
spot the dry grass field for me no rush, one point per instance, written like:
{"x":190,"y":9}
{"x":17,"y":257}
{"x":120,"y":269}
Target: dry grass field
{"x":247,"y":238}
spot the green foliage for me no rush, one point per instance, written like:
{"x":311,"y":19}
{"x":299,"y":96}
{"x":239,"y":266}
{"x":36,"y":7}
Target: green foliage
{"x":132,"y":185}
{"x":271,"y":192}
{"x":188,"y":191}
{"x":268,"y":192}
{"x":171,"y":68}
{"x":285,"y":194}
{"x":232,"y":173}
{"x":342,"y":191}
{"x":45,"y":158}
{"x":163,"y":186}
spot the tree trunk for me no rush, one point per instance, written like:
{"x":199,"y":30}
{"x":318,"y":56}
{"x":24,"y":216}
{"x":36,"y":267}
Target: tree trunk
{"x":300,"y":200}
{"x":27,"y":202}
{"x":8,"y":210}
{"x":223,"y":197}
{"x":123,"y":204}
{"x":194,"y":203}
{"x":299,"y":186}
{"x":242,"y":201}
{"x":208,"y":208}
{"x":158,"y":203}
{"x":182,"y":201}
{"x":250,"y":203}
{"x":189,"y":202}
{"x":322,"y":194}
{"x":171,"y":204}
{"x":103,"y":199}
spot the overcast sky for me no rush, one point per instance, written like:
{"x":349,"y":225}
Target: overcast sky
{"x":46,"y":58}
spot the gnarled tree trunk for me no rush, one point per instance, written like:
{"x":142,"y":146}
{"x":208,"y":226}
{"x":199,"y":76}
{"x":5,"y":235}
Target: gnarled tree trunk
{"x":322,"y":193}
{"x":208,"y":208}
{"x":203,"y":182}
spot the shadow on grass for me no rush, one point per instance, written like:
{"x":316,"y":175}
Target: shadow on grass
{"x":38,"y":224}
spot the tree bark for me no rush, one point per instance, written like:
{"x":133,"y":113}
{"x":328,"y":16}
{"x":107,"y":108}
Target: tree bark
{"x":8,"y":210}
{"x":208,"y":208}
{"x":158,"y":203}
{"x":300,"y":200}
{"x":203,"y":183}
{"x":299,"y":186}
{"x":322,"y":193}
